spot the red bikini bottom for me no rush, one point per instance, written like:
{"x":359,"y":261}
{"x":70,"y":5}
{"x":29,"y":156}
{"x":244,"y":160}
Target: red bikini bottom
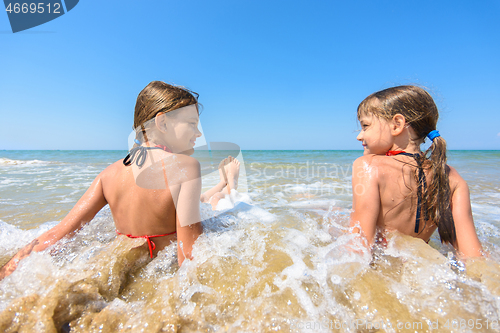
{"x":151,"y":244}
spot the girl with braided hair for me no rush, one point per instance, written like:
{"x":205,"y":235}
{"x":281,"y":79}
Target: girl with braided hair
{"x":396,"y":186}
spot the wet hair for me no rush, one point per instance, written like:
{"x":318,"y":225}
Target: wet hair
{"x":420,"y":112}
{"x":158,"y":97}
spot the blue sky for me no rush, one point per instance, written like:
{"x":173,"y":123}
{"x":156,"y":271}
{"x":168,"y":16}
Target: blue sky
{"x":270,"y":74}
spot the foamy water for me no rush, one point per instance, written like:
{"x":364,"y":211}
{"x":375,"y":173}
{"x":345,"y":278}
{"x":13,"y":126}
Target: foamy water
{"x":274,"y":260}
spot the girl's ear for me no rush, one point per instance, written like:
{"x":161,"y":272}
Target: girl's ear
{"x":161,"y":122}
{"x":398,"y":124}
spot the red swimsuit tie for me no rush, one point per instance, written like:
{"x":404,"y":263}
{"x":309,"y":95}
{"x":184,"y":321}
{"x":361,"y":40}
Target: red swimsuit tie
{"x":151,"y":244}
{"x":394,"y":152}
{"x":165,"y":148}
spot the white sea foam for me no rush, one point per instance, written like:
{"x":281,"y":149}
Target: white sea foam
{"x":241,"y":205}
{"x":13,"y":238}
{"x":314,"y":204}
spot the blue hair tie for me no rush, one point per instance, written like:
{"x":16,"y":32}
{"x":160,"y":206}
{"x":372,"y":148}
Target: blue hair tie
{"x":137,"y":141}
{"x":433,"y":134}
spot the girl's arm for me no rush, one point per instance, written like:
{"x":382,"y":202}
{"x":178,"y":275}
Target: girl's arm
{"x":188,"y":225}
{"x":467,"y":241}
{"x":83,"y":212}
{"x":365,"y":198}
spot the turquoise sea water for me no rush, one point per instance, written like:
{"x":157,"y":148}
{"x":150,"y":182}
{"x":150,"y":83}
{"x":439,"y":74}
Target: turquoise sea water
{"x":274,"y":265}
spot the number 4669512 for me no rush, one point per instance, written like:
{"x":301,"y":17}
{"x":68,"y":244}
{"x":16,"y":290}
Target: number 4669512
{"x":33,"y":8}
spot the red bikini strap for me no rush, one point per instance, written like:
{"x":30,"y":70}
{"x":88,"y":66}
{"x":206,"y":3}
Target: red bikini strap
{"x":165,"y":148}
{"x":394,"y":152}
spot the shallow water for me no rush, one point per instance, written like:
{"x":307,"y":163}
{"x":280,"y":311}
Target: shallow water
{"x":275,"y":262}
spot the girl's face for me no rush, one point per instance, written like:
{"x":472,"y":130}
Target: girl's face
{"x":182,"y":129}
{"x":375,"y":135}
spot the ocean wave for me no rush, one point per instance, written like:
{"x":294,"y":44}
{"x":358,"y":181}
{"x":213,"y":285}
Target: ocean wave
{"x":312,"y":204}
{"x":8,"y":161}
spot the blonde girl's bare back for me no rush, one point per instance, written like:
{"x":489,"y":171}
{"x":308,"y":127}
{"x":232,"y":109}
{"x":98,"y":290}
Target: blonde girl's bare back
{"x":137,"y":210}
{"x":148,"y":210}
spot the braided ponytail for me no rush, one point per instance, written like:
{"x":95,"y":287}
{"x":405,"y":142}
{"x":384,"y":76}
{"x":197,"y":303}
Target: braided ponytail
{"x":438,"y":194}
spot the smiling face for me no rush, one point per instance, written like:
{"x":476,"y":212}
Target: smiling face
{"x":180,"y":129}
{"x":375,"y":134}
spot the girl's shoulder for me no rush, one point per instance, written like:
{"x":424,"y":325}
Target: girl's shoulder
{"x":455,"y":179}
{"x":180,"y":167}
{"x":372,"y":160}
{"x":112,"y":168}
{"x":381,"y":168}
{"x":369,"y":166}
{"x":191,"y":164}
